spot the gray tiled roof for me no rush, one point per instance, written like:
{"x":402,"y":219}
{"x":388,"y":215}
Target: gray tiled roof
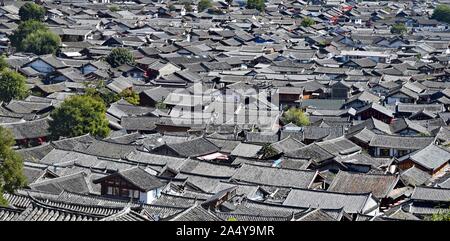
{"x":431,"y":194}
{"x":415,"y":176}
{"x":138,"y":177}
{"x":352,"y":203}
{"x":378,"y":185}
{"x":72,"y":183}
{"x":401,"y":142}
{"x":272,"y":176}
{"x":194,"y":148}
{"x":430,"y":157}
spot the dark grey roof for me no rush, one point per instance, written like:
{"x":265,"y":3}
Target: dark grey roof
{"x":73,"y":183}
{"x":39,"y":211}
{"x":293,"y":163}
{"x":365,"y":160}
{"x":404,"y":91}
{"x":248,"y":190}
{"x":401,"y":124}
{"x":107,"y":149}
{"x":351,"y":203}
{"x":72,"y":143}
{"x":199,"y":183}
{"x":120,"y":109}
{"x":27,"y":107}
{"x":371,"y":124}
{"x":263,"y":209}
{"x":126,"y":215}
{"x":138,"y":177}
{"x":430,"y":157}
{"x":431,"y":194}
{"x":126,"y":138}
{"x":9,"y":214}
{"x":30,"y":129}
{"x":311,"y":152}
{"x":322,"y":104}
{"x":36,"y":153}
{"x":339,"y":146}
{"x":177,"y":201}
{"x":153,"y":160}
{"x":378,"y":108}
{"x":88,"y":209}
{"x":261,"y":137}
{"x":33,"y":173}
{"x":378,"y":184}
{"x":401,"y":142}
{"x":207,"y":169}
{"x":364,"y":96}
{"x":158,"y":93}
{"x":445,"y":183}
{"x":194,"y":148}
{"x":322,"y":133}
{"x":315,"y":215}
{"x":51,"y":60}
{"x":364,"y":62}
{"x":226,"y":146}
{"x":138,"y":123}
{"x":415,"y":176}
{"x":246,"y":150}
{"x":413,"y":108}
{"x":251,"y":217}
{"x":287,"y":144}
{"x":272,"y":176}
{"x":196,"y":213}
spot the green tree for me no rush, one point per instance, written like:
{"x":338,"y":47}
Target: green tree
{"x":23,"y":30}
{"x":307,"y":22}
{"x":31,"y":11}
{"x":98,"y":90}
{"x":103,"y":94}
{"x":131,"y":96}
{"x":79,"y":115}
{"x":398,"y":28}
{"x":188,"y":7}
{"x":114,"y":8}
{"x":3,"y":63}
{"x":441,"y":216}
{"x":442,"y":13}
{"x":11,"y":166}
{"x":203,"y":5}
{"x":33,"y":36}
{"x":215,"y":10}
{"x":12,"y":86}
{"x":160,"y":105}
{"x":41,"y":42}
{"x":268,"y":152}
{"x":256,"y":4}
{"x":171,"y":7}
{"x":119,"y":56}
{"x":296,"y":116}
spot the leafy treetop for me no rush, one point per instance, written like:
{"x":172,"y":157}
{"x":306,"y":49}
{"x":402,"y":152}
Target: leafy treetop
{"x":12,"y":85}
{"x":11,"y":166}
{"x":442,"y":13}
{"x":31,"y":11}
{"x":307,"y":22}
{"x":119,"y":56}
{"x":79,"y":115}
{"x":256,"y":4}
{"x":203,"y":5}
{"x":296,"y":116}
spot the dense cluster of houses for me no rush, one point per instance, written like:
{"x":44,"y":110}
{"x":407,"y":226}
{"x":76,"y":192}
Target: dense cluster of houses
{"x":208,"y":142}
